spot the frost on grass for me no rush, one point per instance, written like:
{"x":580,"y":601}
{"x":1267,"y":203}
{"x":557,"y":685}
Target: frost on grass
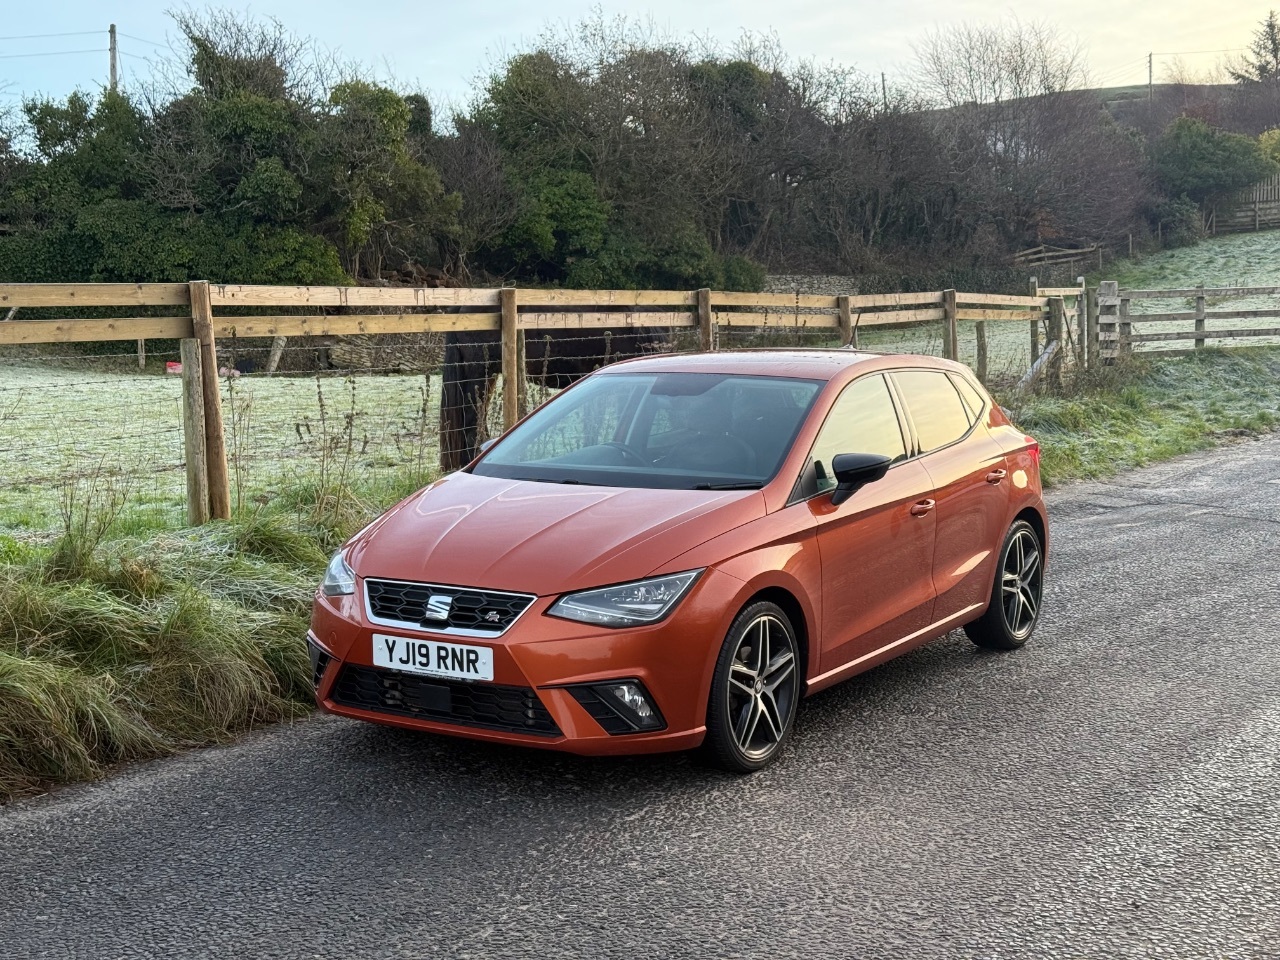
{"x":58,"y":422}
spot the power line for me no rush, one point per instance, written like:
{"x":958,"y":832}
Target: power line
{"x":143,"y":40}
{"x":1188,"y":53}
{"x":51,"y":53}
{"x":44,"y":36}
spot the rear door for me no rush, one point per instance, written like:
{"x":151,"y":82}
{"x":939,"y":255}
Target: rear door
{"x":970,"y":483}
{"x":876,"y":548}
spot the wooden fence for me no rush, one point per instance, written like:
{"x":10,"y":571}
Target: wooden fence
{"x":1254,"y":208}
{"x":196,"y":314}
{"x":1116,"y":321}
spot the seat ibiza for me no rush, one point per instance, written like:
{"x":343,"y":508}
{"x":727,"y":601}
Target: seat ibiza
{"x":675,"y":550}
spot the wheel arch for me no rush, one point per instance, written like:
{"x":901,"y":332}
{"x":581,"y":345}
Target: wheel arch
{"x":1037,"y":521}
{"x":786,"y":601}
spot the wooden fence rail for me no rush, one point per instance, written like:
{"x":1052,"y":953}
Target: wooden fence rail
{"x":507,"y":312}
{"x":1122,"y":336}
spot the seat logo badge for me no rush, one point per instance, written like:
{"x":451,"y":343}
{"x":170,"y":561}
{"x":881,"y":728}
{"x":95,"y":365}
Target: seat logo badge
{"x":493,"y":616}
{"x":437,"y":608}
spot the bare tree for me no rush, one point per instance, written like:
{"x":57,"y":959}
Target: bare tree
{"x":1033,"y":151}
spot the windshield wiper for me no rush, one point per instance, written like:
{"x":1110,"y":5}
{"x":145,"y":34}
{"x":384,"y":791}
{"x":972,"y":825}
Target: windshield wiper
{"x":581,"y":483}
{"x":752,"y":485}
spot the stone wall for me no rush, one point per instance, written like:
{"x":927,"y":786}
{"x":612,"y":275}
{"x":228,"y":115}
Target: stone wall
{"x":824,"y":286}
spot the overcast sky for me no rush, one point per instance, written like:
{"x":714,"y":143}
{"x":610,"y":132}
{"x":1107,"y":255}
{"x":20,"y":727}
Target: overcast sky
{"x":443,"y":47}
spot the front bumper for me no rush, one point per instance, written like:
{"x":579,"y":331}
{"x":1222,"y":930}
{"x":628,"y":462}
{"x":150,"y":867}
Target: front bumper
{"x":535,"y":663}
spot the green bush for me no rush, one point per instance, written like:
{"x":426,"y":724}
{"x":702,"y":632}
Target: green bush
{"x":1195,"y":160}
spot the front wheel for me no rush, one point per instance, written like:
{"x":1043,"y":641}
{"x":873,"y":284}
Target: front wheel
{"x":754,"y":690}
{"x":1016,"y":594}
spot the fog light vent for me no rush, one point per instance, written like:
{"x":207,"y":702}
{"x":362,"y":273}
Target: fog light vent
{"x":319,"y":663}
{"x":620,"y":706}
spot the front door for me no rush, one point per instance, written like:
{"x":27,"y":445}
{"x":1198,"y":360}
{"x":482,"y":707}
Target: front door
{"x":876,"y":547}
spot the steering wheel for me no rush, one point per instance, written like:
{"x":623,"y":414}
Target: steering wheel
{"x":710,"y":451}
{"x":629,"y":453}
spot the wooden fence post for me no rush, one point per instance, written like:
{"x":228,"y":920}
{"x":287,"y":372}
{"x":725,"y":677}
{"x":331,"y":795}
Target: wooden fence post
{"x":1034,"y":286}
{"x":1057,"y":331}
{"x":1082,"y":325}
{"x":1091,"y":328}
{"x":1107,"y":320}
{"x":1200,"y":314}
{"x":510,"y":357}
{"x":1125,"y":327}
{"x":980,"y":331}
{"x":706,"y":324}
{"x":950,"y":332}
{"x":193,"y":434}
{"x":142,"y":354}
{"x":214,"y":437}
{"x":277,"y":351}
{"x":848,"y":335}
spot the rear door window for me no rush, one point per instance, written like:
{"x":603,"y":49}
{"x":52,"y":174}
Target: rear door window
{"x":939,"y":415}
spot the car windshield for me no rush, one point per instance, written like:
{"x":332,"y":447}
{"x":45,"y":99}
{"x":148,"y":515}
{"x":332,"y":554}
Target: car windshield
{"x":660,"y":430}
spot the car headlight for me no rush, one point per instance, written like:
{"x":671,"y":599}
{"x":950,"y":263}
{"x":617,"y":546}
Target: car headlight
{"x":627,"y":604}
{"x":339,"y":579}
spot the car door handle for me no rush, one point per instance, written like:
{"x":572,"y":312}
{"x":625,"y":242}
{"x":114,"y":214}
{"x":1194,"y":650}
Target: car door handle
{"x":995,"y":476}
{"x":921,"y":508}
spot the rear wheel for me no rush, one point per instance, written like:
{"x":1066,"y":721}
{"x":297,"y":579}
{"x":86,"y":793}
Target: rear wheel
{"x":754,"y":690}
{"x":1016,"y":594}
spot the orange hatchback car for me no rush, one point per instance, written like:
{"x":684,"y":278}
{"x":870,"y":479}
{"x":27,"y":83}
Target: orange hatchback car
{"x":676,"y":549}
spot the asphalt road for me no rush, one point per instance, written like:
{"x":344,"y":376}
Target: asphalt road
{"x":1111,"y":790}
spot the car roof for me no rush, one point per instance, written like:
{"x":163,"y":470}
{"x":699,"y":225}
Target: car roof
{"x":813,"y":364}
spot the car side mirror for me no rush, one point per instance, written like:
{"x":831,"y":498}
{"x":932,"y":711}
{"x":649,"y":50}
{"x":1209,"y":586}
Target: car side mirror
{"x":487,"y":444}
{"x":856,"y":470}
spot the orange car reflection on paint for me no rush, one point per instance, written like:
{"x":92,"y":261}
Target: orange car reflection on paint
{"x":675,"y":550}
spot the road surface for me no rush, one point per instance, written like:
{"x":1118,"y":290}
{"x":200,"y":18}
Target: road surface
{"x":1111,"y":790}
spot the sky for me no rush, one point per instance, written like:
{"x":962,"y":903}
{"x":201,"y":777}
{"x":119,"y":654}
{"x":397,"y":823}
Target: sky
{"x":443,"y":48}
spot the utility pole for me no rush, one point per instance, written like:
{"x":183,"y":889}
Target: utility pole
{"x":114,"y":56}
{"x":884,"y":91}
{"x":1151,"y":73}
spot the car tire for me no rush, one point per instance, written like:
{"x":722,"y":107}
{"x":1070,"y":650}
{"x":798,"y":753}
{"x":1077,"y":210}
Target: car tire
{"x":1017,"y":592}
{"x":754,"y":690}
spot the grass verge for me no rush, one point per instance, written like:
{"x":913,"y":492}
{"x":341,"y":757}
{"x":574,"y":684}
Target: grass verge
{"x":1152,"y":411}
{"x":114,"y":650}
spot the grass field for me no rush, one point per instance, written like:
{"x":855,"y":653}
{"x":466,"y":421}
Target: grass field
{"x":1239,"y":260}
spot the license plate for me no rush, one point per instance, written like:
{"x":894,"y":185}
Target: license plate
{"x":433,"y":658}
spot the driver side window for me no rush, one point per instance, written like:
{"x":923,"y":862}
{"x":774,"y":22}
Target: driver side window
{"x":862,"y":420}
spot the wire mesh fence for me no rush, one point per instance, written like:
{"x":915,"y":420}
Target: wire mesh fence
{"x":316,"y":402}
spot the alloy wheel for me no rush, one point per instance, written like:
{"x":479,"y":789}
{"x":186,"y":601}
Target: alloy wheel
{"x":1022,"y":581}
{"x":762,"y":682}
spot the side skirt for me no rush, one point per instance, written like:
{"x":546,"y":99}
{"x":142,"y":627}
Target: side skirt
{"x":869,"y":660}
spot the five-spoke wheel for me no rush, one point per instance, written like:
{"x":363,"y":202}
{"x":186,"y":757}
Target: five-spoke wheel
{"x":755,"y":689}
{"x":1017,"y":593}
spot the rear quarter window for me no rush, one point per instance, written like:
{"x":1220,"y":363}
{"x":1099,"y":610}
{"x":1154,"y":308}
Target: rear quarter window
{"x":935,"y":407}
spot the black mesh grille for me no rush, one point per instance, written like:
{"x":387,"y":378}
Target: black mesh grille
{"x":486,"y":611}
{"x":516,"y":709}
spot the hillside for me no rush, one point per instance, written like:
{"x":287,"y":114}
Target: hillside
{"x":1245,"y":259}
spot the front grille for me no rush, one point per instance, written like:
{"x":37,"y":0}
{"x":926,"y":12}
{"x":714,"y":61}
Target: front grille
{"x":471,"y":612}
{"x":489,"y":705}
